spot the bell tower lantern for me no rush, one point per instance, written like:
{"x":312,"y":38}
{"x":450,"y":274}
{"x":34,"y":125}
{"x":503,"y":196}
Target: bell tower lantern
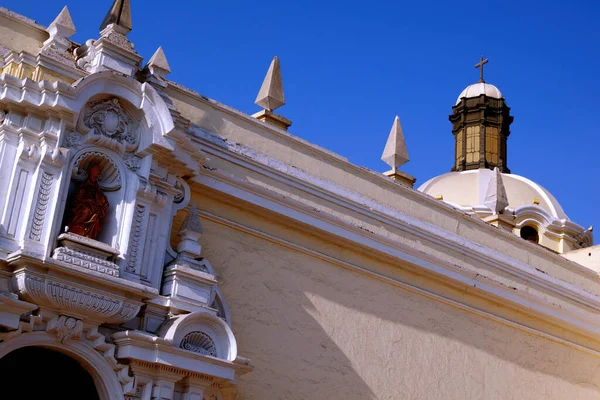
{"x":480,"y":125}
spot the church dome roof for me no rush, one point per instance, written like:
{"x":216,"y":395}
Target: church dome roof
{"x":468,"y":189}
{"x":477,"y":89}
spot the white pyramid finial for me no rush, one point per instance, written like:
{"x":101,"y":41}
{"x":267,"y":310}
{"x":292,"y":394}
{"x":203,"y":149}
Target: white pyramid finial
{"x":495,"y":195}
{"x":158,"y":64}
{"x":395,"y":153}
{"x":270,"y":97}
{"x":190,"y":232}
{"x":62,"y":25}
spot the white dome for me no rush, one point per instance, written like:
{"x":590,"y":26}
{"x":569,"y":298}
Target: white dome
{"x":477,"y":89}
{"x":468,"y":188}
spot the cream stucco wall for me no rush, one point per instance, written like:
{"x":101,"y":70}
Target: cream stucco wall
{"x":20,"y":34}
{"x":316,"y":330}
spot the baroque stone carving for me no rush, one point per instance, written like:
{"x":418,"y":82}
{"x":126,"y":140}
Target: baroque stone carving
{"x":73,"y":139}
{"x":88,"y":207}
{"x":132,"y":162}
{"x":109,"y":178}
{"x":85,"y":260}
{"x":110,"y":126}
{"x":136,"y":235}
{"x":68,"y":327}
{"x":41,"y":205}
{"x":48,"y":292}
{"x":199,"y":342}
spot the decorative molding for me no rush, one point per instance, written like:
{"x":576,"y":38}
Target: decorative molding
{"x":86,"y":260}
{"x":89,"y":302}
{"x":199,"y":342}
{"x":135,"y":237}
{"x":41,"y":205}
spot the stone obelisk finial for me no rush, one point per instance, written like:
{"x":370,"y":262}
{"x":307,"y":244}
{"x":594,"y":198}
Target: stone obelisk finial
{"x":190,"y":232}
{"x":497,"y":201}
{"x":119,"y":16}
{"x":270,"y":97}
{"x":495,"y":195}
{"x":158,"y":64}
{"x":60,"y":30}
{"x":395,"y":155}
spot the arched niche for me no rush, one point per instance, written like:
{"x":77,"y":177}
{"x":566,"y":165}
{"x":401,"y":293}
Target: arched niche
{"x":100,"y":370}
{"x":202,"y":333}
{"x":115,"y":180}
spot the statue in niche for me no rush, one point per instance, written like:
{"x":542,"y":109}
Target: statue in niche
{"x":88,"y":207}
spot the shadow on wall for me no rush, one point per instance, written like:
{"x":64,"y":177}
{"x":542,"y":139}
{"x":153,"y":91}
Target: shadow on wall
{"x":317,"y":331}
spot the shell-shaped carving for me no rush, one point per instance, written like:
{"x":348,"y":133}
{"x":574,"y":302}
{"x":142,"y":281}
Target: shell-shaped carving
{"x":199,"y":342}
{"x":109,"y":179}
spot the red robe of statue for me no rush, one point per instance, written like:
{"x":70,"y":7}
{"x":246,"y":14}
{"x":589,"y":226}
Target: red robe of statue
{"x":88,"y":207}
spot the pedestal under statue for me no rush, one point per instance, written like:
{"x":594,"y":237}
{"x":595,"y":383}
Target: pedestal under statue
{"x":89,"y":207}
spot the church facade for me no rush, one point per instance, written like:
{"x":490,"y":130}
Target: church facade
{"x":157,"y":244}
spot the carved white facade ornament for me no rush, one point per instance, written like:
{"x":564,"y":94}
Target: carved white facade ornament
{"x":66,"y":327}
{"x":52,"y":135}
{"x":109,"y":178}
{"x":132,"y":162}
{"x":199,"y":342}
{"x":110,"y":126}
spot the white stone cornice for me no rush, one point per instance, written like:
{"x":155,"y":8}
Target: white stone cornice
{"x":575,"y":318}
{"x":213,"y":145}
{"x":523,"y":275}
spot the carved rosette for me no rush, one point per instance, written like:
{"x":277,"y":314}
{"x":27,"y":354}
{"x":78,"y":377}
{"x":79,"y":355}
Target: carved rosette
{"x":110,"y":126}
{"x":74,"y":300}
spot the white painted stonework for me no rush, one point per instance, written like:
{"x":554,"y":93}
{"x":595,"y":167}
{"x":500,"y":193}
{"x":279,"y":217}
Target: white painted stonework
{"x":237,"y":261}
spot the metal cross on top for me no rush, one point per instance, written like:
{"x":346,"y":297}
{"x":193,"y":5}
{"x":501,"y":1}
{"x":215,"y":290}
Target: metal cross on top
{"x":480,"y":65}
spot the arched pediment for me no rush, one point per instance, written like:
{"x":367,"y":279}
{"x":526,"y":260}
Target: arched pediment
{"x":142,"y":97}
{"x":202,"y":333}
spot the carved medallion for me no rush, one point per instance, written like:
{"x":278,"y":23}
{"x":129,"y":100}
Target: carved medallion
{"x":110,"y":126}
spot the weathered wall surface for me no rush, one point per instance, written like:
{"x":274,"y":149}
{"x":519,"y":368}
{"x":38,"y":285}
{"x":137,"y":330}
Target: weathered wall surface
{"x":315,"y":330}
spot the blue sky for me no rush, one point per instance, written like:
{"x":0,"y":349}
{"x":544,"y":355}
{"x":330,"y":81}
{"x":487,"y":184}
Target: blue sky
{"x":350,"y":67}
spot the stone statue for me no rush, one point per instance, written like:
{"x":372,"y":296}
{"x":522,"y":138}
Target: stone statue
{"x":88,"y":206}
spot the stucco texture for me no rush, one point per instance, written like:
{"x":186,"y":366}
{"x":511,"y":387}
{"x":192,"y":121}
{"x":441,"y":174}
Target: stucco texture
{"x":315,"y":330}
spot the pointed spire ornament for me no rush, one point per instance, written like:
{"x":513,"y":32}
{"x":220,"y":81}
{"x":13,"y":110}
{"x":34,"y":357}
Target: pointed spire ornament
{"x":62,"y":25}
{"x":395,"y":153}
{"x":270,"y":97}
{"x":189,"y":232}
{"x":495,"y":195}
{"x":60,"y":30}
{"x":158,"y":64}
{"x":119,"y":15}
{"x":191,"y":222}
